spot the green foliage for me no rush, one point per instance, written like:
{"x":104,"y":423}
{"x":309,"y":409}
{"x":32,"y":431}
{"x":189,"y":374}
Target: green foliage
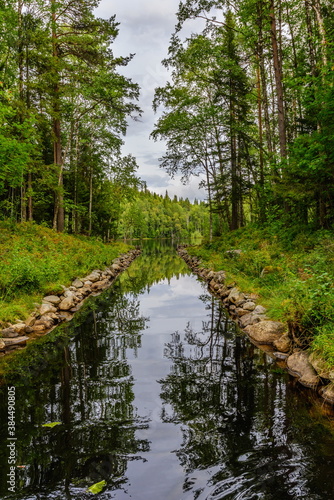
{"x":51,"y":425}
{"x":148,"y":215}
{"x":293,"y":273}
{"x":36,"y":261}
{"x":97,"y":487}
{"x":323,"y":343}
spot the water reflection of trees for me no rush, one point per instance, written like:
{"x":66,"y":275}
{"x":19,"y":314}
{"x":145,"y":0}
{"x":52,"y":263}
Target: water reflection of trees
{"x":151,"y":268}
{"x":90,"y":391}
{"x":235,"y":416}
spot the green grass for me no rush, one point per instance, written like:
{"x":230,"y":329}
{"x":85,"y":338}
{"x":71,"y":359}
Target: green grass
{"x":35,"y":261}
{"x":292,"y":273}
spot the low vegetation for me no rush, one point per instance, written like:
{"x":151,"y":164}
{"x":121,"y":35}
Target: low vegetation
{"x":35,"y":261}
{"x":291,"y":272}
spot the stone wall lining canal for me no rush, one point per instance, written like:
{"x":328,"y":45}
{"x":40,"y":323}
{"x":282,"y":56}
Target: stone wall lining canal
{"x":273,"y":336}
{"x":152,"y":392}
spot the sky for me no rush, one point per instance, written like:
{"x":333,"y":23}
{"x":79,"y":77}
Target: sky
{"x":145,"y":30}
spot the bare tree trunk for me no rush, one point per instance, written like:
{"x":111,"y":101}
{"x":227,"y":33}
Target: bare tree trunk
{"x":30,"y":205}
{"x":262,"y":77}
{"x":59,"y":216}
{"x":317,"y":8}
{"x":262,"y":213}
{"x":90,"y":201}
{"x":210,"y":201}
{"x":278,"y":81}
{"x":310,"y":36}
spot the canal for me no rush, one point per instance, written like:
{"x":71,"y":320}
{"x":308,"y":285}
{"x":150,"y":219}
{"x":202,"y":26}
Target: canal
{"x":151,"y":393}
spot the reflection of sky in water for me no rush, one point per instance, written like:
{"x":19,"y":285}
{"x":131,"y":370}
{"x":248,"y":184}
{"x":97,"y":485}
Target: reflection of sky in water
{"x":179,"y":299}
{"x":179,"y":407}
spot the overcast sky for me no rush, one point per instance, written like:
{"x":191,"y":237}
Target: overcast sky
{"x":145,"y":30}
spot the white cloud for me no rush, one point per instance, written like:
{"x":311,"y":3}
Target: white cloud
{"x":145,"y":29}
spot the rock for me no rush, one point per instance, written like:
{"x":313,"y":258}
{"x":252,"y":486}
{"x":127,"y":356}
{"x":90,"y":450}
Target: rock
{"x":100,"y":285}
{"x":54,"y":317}
{"x":250,"y":319}
{"x":223,"y":291}
{"x":327,"y":393}
{"x":9,"y":333}
{"x":46,"y":321}
{"x":19,"y":328}
{"x":281,"y":355}
{"x":214,"y":286}
{"x":94,"y":276}
{"x":18,"y":340}
{"x":265,"y":332}
{"x":299,"y":366}
{"x":88,"y":283}
{"x":2,"y":345}
{"x":235,"y":295}
{"x":53,"y":299}
{"x":46,"y":308}
{"x":30,"y":321}
{"x":68,"y":293}
{"x":260,"y":310}
{"x":76,"y":308}
{"x":241,"y":312}
{"x":65,"y":316}
{"x":249,"y":306}
{"x":38,"y":328}
{"x":283,"y":344}
{"x":220,"y":277}
{"x":77,"y":283}
{"x":67,"y":303}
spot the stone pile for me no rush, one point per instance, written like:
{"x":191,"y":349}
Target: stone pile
{"x":252,"y":319}
{"x":56,"y":309}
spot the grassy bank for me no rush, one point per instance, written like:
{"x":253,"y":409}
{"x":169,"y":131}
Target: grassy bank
{"x":292,"y":274}
{"x":35,"y":261}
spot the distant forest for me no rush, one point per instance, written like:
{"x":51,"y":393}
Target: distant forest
{"x":249,"y":107}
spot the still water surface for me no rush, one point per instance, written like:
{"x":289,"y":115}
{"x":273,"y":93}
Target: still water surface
{"x":157,"y":394}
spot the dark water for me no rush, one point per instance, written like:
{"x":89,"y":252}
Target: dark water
{"x":159,"y":396}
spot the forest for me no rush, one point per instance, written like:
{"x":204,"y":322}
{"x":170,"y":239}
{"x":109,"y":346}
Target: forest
{"x":250,"y":107}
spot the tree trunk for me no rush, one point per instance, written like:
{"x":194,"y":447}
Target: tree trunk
{"x":310,"y":37}
{"x":262,"y":214}
{"x":90,"y":201}
{"x":317,"y":8}
{"x":30,"y":205}
{"x":262,"y":77}
{"x":278,"y":81}
{"x":59,"y":216}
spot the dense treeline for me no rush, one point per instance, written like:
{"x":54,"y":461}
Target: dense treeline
{"x":250,"y":107}
{"x":150,"y":215}
{"x":63,"y":110}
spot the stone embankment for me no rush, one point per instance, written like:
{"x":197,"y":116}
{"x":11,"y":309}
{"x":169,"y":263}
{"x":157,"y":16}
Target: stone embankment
{"x":273,"y":336}
{"x":56,"y":309}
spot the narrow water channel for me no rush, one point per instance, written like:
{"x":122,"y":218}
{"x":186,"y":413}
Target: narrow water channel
{"x":154,"y":392}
